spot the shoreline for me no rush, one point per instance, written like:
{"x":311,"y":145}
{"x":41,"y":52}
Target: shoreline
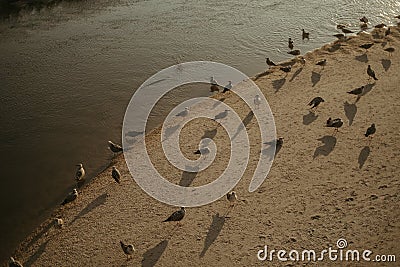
{"x":34,"y":246}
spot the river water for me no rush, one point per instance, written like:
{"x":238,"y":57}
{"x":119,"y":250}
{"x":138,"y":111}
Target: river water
{"x":67,"y":74}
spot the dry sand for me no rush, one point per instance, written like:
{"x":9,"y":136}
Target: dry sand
{"x":315,"y":193}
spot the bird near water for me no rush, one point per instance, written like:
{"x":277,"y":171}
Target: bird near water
{"x":80,"y":173}
{"x":305,"y":35}
{"x":115,"y":148}
{"x":371,"y":73}
{"x":128,"y":249}
{"x":227,"y":87}
{"x":314,"y":103}
{"x":269,"y":62}
{"x":116,"y":175}
{"x":286,"y":69}
{"x":346,"y":31}
{"x":321,"y":63}
{"x":364,"y":19}
{"x":177,"y":216}
{"x":70,"y":197}
{"x":14,"y":263}
{"x":295,"y":52}
{"x":290,"y":44}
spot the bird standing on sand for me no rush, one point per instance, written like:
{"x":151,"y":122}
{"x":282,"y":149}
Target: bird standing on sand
{"x":227,"y":87}
{"x":128,"y":249}
{"x":366,"y":46}
{"x":70,"y":197}
{"x":315,"y":102}
{"x":269,"y":62}
{"x":358,"y":91}
{"x":59,"y":223}
{"x":305,"y":35}
{"x":214,"y":85}
{"x":340,"y":26}
{"x":336,"y":123}
{"x":221,"y":115}
{"x":80,"y":173}
{"x":321,"y":63}
{"x":370,"y":131}
{"x":116,"y":175}
{"x":302,"y":60}
{"x":387,"y":32}
{"x":177,"y":216}
{"x":290,"y":44}
{"x":257,"y":101}
{"x":232,"y":198}
{"x":114,"y":147}
{"x":371,"y":73}
{"x":286,"y":69}
{"x":14,"y":263}
{"x":390,"y":50}
{"x":202,"y":151}
{"x":183,"y":113}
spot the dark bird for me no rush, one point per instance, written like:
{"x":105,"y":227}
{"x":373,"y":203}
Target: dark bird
{"x":380,"y":26}
{"x":340,"y":26}
{"x":116,"y":174}
{"x":114,"y":147}
{"x":387,"y":32}
{"x":390,"y":50}
{"x":80,"y":173}
{"x":345,"y":31}
{"x":366,"y":46}
{"x":286,"y":69}
{"x":305,"y":35}
{"x":227,"y":87}
{"x":397,"y":17}
{"x":321,"y":63}
{"x":177,"y":216}
{"x":14,"y":263}
{"x":128,"y":249}
{"x":294,"y":52}
{"x":316,"y":101}
{"x":269,"y":62}
{"x":290,"y":44}
{"x":371,"y":73}
{"x":232,"y":198}
{"x":340,"y":36}
{"x":370,"y":131}
{"x":364,"y":19}
{"x":336,"y":123}
{"x":70,"y":197}
{"x":357,"y":91}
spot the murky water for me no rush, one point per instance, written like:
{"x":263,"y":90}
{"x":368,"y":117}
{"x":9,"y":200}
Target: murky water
{"x":67,"y":74}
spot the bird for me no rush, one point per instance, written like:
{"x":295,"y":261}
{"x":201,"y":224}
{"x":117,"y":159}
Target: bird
{"x":128,"y":249}
{"x":14,"y":263}
{"x":80,"y":173}
{"x":397,"y":17}
{"x":357,"y":91}
{"x":294,"y":52}
{"x":183,"y":113}
{"x":232,"y":198}
{"x":269,"y":62}
{"x":340,"y":26}
{"x":364,"y":19}
{"x":314,"y":103}
{"x":387,"y":32}
{"x":370,"y":131}
{"x":202,"y":151}
{"x":390,"y":50}
{"x":214,"y":85}
{"x":116,"y":174}
{"x":227,"y":87}
{"x":221,"y":115}
{"x":177,"y":216}
{"x":290,"y":44}
{"x":70,"y":197}
{"x":345,"y":31}
{"x":257,"y":100}
{"x":321,"y":63}
{"x":336,"y":123}
{"x":213,"y":81}
{"x":380,"y":26}
{"x":286,"y":69}
{"x":58,"y":222}
{"x":302,"y":60}
{"x":305,"y":35}
{"x":114,"y":147}
{"x":340,"y":36}
{"x":371,"y":73}
{"x":366,"y":46}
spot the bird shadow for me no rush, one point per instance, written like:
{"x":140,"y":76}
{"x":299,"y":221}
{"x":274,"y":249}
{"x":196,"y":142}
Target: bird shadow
{"x":33,"y":258}
{"x":309,"y":118}
{"x":100,"y":200}
{"x":244,"y":123}
{"x":362,"y":58}
{"x":362,"y":158}
{"x":44,"y":230}
{"x":334,"y":47}
{"x":133,"y":134}
{"x":315,"y":78}
{"x":329,"y":143}
{"x":209,"y":134}
{"x":219,"y":102}
{"x":298,"y":71}
{"x":350,"y":110}
{"x":277,"y":84}
{"x":151,"y":256}
{"x":213,"y":232}
{"x":386,"y":63}
{"x":170,"y":131}
{"x":188,"y":176}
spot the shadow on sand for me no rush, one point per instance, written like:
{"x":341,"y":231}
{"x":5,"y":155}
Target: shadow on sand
{"x":315,"y":78}
{"x":100,"y":200}
{"x":151,"y":256}
{"x":350,"y":110}
{"x":277,"y":84}
{"x":362,"y":158}
{"x":213,"y":232}
{"x":329,"y":143}
{"x":309,"y":118}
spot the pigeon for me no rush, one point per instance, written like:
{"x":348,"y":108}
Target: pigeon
{"x":14,"y":263}
{"x":294,"y":52}
{"x":116,"y":174}
{"x":183,"y":113}
{"x":371,"y":73}
{"x":257,"y":101}
{"x":316,"y":101}
{"x":202,"y":151}
{"x":80,"y":173}
{"x":370,"y":131}
{"x":366,"y":46}
{"x":177,"y":216}
{"x":227,"y":87}
{"x":286,"y":69}
{"x":221,"y":115}
{"x":71,"y":197}
{"x":321,"y":63}
{"x":114,"y":147}
{"x":380,"y":26}
{"x":128,"y":249}
{"x":305,"y":35}
{"x":232,"y":198}
{"x":364,"y":19}
{"x":345,"y":31}
{"x":336,"y":123}
{"x":357,"y":91}
{"x":269,"y":62}
{"x":290,"y":44}
{"x":58,"y":222}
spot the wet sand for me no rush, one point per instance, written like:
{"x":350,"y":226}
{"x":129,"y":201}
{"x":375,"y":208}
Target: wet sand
{"x":322,"y":186}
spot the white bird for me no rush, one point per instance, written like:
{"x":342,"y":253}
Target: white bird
{"x":80,"y":173}
{"x":14,"y":263}
{"x":114,"y":147}
{"x":128,"y":249}
{"x":213,"y":81}
{"x":116,"y":174}
{"x":257,"y":100}
{"x":227,"y":87}
{"x":183,"y":113}
{"x":71,"y":197}
{"x":58,"y":222}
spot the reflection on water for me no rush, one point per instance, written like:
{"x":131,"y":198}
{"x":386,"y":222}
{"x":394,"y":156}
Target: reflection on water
{"x":67,"y":75}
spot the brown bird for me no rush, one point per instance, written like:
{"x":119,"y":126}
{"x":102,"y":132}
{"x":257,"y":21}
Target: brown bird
{"x":177,"y":216}
{"x":364,"y":19}
{"x":366,"y":46}
{"x":294,"y":52}
{"x":370,"y":131}
{"x":290,"y":44}
{"x":316,"y":101}
{"x":128,"y":249}
{"x":380,"y":26}
{"x":371,"y":73}
{"x":305,"y":35}
{"x":269,"y":62}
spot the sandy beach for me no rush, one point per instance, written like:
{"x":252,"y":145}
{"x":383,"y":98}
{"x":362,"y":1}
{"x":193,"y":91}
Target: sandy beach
{"x":322,"y":186}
